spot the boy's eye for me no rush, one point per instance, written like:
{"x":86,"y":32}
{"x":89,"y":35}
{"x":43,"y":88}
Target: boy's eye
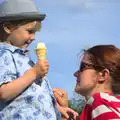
{"x":31,"y":31}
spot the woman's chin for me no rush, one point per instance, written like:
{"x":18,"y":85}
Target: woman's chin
{"x":77,"y":89}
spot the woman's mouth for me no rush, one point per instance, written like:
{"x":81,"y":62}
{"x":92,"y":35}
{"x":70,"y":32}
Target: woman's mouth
{"x":78,"y":81}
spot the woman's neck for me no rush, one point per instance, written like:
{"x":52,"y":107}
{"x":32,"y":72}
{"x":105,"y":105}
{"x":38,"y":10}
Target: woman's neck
{"x":98,"y":90}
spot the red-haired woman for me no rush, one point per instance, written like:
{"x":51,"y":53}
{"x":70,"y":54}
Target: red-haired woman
{"x":98,"y":79}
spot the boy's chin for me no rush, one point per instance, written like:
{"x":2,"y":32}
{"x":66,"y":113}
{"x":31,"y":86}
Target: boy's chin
{"x":25,"y":46}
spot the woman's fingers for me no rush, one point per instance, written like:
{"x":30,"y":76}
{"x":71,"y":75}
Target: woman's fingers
{"x":61,"y":96}
{"x":74,"y":114}
{"x":60,"y":91}
{"x":58,"y":97}
{"x":63,"y":111}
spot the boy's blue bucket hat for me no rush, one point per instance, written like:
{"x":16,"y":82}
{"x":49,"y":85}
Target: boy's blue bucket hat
{"x":11,"y":10}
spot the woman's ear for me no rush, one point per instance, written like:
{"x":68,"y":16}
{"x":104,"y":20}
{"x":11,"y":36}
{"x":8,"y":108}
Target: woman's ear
{"x":103,"y":75}
{"x":8,"y":28}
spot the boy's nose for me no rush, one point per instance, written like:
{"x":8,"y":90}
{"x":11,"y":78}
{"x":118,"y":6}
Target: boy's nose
{"x":33,"y":36}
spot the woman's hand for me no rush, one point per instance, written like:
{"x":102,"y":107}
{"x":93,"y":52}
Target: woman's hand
{"x":61,"y":97}
{"x":67,"y":113}
{"x":62,"y":105}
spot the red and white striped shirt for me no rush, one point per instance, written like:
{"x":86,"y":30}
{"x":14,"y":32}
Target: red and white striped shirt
{"x":102,"y":106}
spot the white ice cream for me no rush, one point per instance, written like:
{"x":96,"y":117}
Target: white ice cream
{"x":41,"y":45}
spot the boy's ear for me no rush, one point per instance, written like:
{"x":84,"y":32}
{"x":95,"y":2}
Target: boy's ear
{"x":8,"y":28}
{"x":103,"y":75}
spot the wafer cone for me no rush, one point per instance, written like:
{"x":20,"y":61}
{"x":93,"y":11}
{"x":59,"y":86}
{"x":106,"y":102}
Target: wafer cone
{"x":41,"y":54}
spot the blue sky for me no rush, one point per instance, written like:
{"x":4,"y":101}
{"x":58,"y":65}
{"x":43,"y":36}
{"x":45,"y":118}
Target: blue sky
{"x":73,"y":25}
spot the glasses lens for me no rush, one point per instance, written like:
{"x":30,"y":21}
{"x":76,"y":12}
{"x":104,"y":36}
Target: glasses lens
{"x":85,"y":66}
{"x":82,"y":66}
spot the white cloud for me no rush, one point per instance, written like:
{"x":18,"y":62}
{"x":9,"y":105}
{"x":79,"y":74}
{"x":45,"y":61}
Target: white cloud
{"x":79,"y":3}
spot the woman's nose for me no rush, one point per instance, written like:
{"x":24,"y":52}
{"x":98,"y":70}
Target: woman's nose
{"x":76,"y":74}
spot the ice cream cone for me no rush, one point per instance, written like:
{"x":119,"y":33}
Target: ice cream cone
{"x":41,"y":51}
{"x":41,"y":54}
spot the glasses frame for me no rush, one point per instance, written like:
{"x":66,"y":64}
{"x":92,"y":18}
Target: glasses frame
{"x":84,"y":66}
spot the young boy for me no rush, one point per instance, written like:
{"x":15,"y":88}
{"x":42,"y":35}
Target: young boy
{"x":23,"y":94}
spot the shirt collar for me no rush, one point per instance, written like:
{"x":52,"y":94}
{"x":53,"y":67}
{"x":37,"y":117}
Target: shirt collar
{"x":13,"y":49}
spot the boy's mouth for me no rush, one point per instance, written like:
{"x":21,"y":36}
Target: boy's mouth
{"x":28,"y":42}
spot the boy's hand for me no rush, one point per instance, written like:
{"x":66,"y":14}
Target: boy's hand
{"x":41,"y":68}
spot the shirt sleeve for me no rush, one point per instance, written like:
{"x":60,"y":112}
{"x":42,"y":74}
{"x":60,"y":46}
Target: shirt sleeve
{"x":7,"y":67}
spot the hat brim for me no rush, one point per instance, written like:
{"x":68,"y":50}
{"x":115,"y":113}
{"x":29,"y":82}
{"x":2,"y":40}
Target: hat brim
{"x":31,"y":16}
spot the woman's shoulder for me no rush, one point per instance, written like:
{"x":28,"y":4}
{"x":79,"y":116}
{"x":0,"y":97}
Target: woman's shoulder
{"x":105,"y":99}
{"x":98,"y":98}
{"x":105,"y":104}
{"x":106,"y":96}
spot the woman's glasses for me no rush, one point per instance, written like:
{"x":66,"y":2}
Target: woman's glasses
{"x":85,"y":66}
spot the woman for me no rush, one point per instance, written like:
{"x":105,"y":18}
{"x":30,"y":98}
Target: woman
{"x":98,"y":79}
